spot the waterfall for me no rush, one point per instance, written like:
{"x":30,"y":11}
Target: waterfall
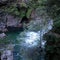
{"x":31,"y":41}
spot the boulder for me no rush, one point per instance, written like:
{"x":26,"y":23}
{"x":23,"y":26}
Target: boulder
{"x":7,"y":55}
{"x":2,"y":35}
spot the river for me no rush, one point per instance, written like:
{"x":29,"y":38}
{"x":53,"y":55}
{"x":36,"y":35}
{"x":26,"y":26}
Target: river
{"x":29,"y":44}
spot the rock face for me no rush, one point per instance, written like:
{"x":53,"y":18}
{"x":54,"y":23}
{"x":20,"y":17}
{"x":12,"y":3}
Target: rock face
{"x":9,"y":23}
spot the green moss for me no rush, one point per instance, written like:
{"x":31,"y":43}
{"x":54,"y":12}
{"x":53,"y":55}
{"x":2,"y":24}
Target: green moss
{"x":29,"y":13}
{"x":23,"y":4}
{"x":22,"y":13}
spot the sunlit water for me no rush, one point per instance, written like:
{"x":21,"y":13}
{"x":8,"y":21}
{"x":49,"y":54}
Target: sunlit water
{"x":31,"y":41}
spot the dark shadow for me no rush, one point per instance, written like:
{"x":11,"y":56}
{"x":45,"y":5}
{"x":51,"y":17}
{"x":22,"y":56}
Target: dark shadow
{"x":24,"y":19}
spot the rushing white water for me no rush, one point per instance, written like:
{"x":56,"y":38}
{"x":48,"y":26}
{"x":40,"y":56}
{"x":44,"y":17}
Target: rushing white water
{"x":31,"y":39}
{"x":33,"y":35}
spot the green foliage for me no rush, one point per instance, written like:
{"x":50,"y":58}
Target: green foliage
{"x":53,"y":10}
{"x":53,"y":42}
{"x":53,"y":7}
{"x":33,"y":4}
{"x":23,"y":4}
{"x":12,"y":10}
{"x":57,"y":24}
{"x":52,"y":47}
{"x":30,"y":5}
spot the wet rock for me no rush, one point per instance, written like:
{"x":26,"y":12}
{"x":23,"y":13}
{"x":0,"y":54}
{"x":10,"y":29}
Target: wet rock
{"x":3,"y":27}
{"x":7,"y":55}
{"x":2,"y":35}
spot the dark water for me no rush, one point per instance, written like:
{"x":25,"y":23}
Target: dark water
{"x":12,"y":37}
